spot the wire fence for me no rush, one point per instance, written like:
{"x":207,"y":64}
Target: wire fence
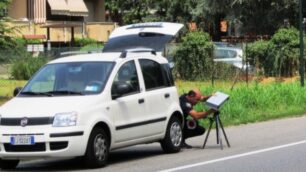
{"x":226,"y":64}
{"x":7,"y":58}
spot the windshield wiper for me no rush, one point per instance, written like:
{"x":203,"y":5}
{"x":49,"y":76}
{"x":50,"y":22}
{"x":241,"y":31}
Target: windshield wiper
{"x":65,"y":92}
{"x":36,"y":93}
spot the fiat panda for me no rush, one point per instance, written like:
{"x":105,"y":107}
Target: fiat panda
{"x":88,"y":105}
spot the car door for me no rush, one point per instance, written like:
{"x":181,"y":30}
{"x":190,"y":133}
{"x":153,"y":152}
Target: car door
{"x":128,"y":109}
{"x":158,"y":94}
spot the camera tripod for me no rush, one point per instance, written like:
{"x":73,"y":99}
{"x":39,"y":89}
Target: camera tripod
{"x":216,"y":119}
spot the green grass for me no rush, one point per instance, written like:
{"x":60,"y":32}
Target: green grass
{"x":7,"y":87}
{"x":254,"y":102}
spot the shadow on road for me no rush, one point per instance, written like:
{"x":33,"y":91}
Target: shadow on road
{"x":75,"y":164}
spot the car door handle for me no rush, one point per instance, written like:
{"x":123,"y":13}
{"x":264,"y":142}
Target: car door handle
{"x":140,"y":101}
{"x":167,"y":95}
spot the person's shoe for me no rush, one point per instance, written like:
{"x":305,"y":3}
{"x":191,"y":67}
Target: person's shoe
{"x":186,"y":146}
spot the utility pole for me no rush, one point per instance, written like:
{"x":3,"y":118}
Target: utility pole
{"x":302,"y":61}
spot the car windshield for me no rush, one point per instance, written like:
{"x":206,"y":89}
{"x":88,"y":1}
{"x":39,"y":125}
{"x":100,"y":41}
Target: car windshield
{"x":74,"y":78}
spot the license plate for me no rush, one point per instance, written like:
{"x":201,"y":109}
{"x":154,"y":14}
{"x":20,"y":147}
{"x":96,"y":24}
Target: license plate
{"x":22,"y":140}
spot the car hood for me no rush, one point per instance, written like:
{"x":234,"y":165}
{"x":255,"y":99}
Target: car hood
{"x":153,"y":35}
{"x":44,"y":106}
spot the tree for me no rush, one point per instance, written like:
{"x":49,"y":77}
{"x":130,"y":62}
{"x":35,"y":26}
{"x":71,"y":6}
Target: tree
{"x":278,"y":56}
{"x":193,"y":56}
{"x":265,"y":17}
{"x":127,"y":11}
{"x":285,"y":51}
{"x":5,"y":40}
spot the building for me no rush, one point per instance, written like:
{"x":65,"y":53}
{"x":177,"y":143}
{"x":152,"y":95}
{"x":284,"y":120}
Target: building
{"x":58,"y":20}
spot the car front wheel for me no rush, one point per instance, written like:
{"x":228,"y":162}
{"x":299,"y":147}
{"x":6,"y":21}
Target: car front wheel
{"x":173,"y":138}
{"x":97,"y":151}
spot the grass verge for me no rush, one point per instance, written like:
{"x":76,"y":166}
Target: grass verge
{"x":7,"y":87}
{"x":256,"y":102}
{"x":248,"y":103}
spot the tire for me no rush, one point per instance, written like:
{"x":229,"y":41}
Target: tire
{"x":173,"y":138}
{"x":97,"y":150}
{"x":8,"y":164}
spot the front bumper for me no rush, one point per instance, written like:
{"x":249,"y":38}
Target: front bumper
{"x":48,"y":142}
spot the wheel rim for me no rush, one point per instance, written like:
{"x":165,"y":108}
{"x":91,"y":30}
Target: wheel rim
{"x":100,"y":147}
{"x":176,"y":134}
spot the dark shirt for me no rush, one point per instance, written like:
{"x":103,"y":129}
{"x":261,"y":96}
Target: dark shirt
{"x":185,"y":105}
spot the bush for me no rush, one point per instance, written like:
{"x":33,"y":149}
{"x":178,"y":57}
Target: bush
{"x":84,"y":41}
{"x":260,"y":58}
{"x":24,"y":42}
{"x":92,"y":47}
{"x":285,"y":49}
{"x":193,"y":59}
{"x":279,"y":56}
{"x":12,"y":48}
{"x":23,"y":68}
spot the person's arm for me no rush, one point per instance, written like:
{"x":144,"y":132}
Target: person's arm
{"x":199,"y":115}
{"x":204,"y":98}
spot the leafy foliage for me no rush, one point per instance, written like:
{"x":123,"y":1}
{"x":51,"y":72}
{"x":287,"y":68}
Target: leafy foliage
{"x":23,"y":68}
{"x":127,"y":11}
{"x":256,"y":16}
{"x":193,"y":56}
{"x":5,"y":41}
{"x":285,"y":49}
{"x":259,"y":53}
{"x":280,"y":55}
{"x":92,"y":47}
{"x":84,"y":41}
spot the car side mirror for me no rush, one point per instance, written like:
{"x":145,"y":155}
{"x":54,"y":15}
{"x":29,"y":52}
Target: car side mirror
{"x":120,"y":89}
{"x":16,"y":91}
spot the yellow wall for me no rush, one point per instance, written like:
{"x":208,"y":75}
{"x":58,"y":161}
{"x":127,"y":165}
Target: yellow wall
{"x":98,"y":31}
{"x":18,"y":9}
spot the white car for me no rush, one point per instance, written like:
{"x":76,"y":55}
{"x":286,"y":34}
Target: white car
{"x":87,"y":105}
{"x":230,"y":55}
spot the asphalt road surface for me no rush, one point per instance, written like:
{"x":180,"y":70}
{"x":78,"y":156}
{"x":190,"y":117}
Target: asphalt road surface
{"x":268,"y":146}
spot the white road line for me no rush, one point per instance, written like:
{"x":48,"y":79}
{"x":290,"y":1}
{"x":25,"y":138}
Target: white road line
{"x":234,"y":156}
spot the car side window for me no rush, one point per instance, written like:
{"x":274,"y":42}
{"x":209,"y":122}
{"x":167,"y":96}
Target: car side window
{"x":223,"y":54}
{"x":127,"y":77}
{"x":168,"y":78}
{"x":152,"y":73}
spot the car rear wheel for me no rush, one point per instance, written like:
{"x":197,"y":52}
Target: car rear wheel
{"x":97,"y":151}
{"x":173,"y":138}
{"x":8,"y":164}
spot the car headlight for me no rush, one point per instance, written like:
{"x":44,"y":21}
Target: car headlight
{"x":65,"y":119}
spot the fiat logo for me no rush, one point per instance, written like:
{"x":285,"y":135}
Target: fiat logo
{"x":24,"y":121}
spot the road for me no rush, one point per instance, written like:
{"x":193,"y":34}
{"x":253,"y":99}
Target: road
{"x":278,"y":145}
